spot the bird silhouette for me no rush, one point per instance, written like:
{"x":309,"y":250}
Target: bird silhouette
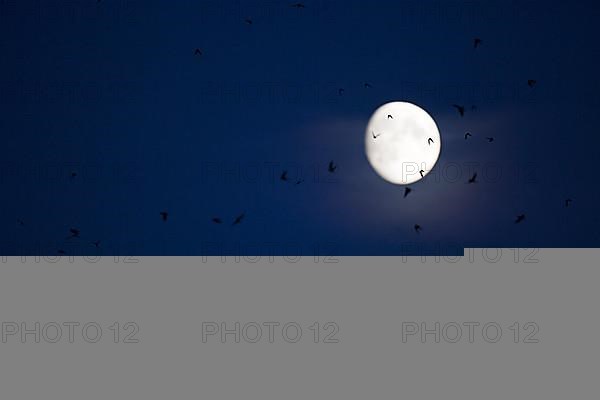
{"x":520,"y":218}
{"x":568,"y":202}
{"x":298,"y":5}
{"x":368,"y":86}
{"x":531,"y":83}
{"x":430,"y":141}
{"x":20,"y":222}
{"x":473,"y":178}
{"x":460,"y":109}
{"x":332,"y":167}
{"x":96,"y":243}
{"x":300,"y":182}
{"x":390,"y":117}
{"x":217,"y":220}
{"x":73,"y":175}
{"x":489,"y":139}
{"x":284,"y":176}
{"x":407,"y":191}
{"x":164,"y":215}
{"x":238,"y":220}
{"x":74,"y":233}
{"x":476,"y":43}
{"x":467,"y":135}
{"x":198,"y":52}
{"x":418,"y":228}
{"x":341,"y":91}
{"x":374,"y":135}
{"x":422,"y":173}
{"x":248,"y":21}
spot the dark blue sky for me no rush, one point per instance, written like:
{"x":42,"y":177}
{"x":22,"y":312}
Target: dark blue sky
{"x":113,"y":91}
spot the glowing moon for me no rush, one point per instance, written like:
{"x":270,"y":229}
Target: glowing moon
{"x":402,"y":142}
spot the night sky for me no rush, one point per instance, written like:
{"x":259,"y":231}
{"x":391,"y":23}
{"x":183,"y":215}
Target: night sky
{"x":108,"y":117}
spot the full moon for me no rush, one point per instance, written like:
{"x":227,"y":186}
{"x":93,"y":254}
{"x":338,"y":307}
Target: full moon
{"x":402,"y":142}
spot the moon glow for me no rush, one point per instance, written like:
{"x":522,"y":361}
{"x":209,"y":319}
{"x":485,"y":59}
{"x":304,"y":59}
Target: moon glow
{"x":402,"y":142}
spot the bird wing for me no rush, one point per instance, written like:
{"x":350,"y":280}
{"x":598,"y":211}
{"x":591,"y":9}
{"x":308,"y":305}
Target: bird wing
{"x":460,"y":109}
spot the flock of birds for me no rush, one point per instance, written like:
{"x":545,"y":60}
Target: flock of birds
{"x":461,"y":109}
{"x":75,"y":233}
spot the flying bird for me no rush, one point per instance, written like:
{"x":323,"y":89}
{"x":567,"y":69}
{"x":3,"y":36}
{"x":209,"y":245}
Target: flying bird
{"x":531,"y":83}
{"x":374,"y":135}
{"x":407,"y":191}
{"x":284,"y":176}
{"x":368,"y":86}
{"x":198,"y":52}
{"x":476,"y":43}
{"x":300,"y":181}
{"x":248,"y":21}
{"x":390,"y":117}
{"x":74,"y":233}
{"x":341,"y":91}
{"x":332,"y":167}
{"x":473,"y":178}
{"x":73,"y":175}
{"x":96,"y":244}
{"x":430,"y":141}
{"x":460,"y":109}
{"x":238,"y":220}
{"x":164,"y":216}
{"x":489,"y":139}
{"x":468,"y":135}
{"x":20,"y":222}
{"x":568,"y":202}
{"x":520,"y":218}
{"x":422,"y":173}
{"x":217,"y":220}
{"x":418,"y":228}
